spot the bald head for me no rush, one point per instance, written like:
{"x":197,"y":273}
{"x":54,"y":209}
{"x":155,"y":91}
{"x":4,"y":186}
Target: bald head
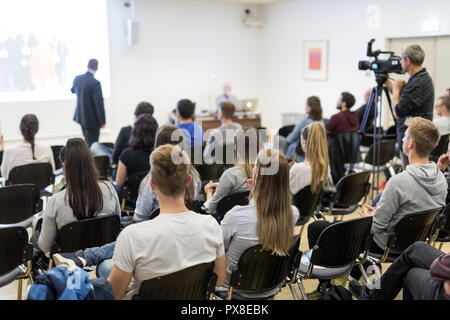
{"x":227,"y":89}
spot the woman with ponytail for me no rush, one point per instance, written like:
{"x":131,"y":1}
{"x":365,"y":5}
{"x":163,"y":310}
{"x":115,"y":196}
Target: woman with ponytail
{"x":315,"y":170}
{"x":28,"y":151}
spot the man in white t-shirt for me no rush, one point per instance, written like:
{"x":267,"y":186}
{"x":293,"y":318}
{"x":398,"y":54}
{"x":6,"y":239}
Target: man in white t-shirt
{"x":175,"y":240}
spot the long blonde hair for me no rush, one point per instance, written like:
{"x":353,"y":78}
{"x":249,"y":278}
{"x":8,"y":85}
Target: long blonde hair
{"x":247,"y":144}
{"x":272,"y":198}
{"x":317,"y":153}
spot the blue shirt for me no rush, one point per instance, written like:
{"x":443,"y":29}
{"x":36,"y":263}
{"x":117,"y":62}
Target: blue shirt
{"x":193,"y":133}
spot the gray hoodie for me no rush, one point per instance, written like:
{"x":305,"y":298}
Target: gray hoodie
{"x":419,"y":188}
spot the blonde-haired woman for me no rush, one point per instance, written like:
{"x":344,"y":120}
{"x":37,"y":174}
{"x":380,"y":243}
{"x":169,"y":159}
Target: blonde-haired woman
{"x":269,"y":218}
{"x":314,"y":171}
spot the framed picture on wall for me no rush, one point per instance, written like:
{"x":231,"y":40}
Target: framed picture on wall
{"x":315,"y":60}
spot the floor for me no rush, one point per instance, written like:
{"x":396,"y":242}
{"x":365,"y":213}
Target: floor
{"x":10,"y":292}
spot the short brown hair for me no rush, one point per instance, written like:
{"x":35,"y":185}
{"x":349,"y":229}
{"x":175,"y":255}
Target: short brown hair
{"x":315,"y":108}
{"x":425,"y":134}
{"x":227,"y":108}
{"x":445,"y":101}
{"x":144,"y":107}
{"x":169,"y":177}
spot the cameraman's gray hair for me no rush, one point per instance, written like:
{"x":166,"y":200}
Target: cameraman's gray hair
{"x":415,"y":53}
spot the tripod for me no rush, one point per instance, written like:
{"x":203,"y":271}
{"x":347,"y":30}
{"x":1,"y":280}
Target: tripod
{"x":375,"y":102}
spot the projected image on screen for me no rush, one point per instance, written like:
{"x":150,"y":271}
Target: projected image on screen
{"x":44,"y":44}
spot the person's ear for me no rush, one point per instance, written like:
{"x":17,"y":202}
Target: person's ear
{"x":152,"y":185}
{"x":304,"y":145}
{"x":189,"y":180}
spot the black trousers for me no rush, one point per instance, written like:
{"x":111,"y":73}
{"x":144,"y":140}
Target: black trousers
{"x":90,"y":135}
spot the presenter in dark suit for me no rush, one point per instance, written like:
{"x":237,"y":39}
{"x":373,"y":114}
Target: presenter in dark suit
{"x":90,"y":110}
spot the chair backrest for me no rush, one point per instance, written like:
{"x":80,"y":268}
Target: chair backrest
{"x":228,"y":202}
{"x":307,"y":201}
{"x":103,"y":167}
{"x":193,"y":283}
{"x":411,"y":228}
{"x":341,"y":243}
{"x":56,"y":152}
{"x":18,"y":203}
{"x":87,"y":233}
{"x":367,"y":136}
{"x":259,"y":270}
{"x":442,"y":224}
{"x":38,"y":173}
{"x":383,"y":150}
{"x":130,"y":190}
{"x":341,"y":149}
{"x":352,"y":188}
{"x":442,"y":146}
{"x":284,"y":131}
{"x":209,"y":171}
{"x":14,"y":248}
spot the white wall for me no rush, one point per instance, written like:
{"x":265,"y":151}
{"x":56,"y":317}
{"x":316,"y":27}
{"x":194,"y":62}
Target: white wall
{"x":181,"y":44}
{"x":343,"y":24}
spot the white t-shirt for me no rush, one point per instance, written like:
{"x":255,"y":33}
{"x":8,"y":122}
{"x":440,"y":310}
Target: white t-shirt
{"x":300,"y":176}
{"x":167,"y":244}
{"x":22,"y":155}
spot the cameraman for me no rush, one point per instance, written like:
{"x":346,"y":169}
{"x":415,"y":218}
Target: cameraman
{"x":416,"y":97}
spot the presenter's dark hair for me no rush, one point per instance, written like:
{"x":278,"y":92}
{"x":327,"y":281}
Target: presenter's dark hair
{"x":348,"y":98}
{"x":186,"y":108}
{"x":83,"y":192}
{"x":93,"y":64}
{"x":144,"y":132}
{"x":144,"y":107}
{"x":29,"y":126}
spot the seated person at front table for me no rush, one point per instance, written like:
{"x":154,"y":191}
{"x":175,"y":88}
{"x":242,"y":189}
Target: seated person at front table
{"x":99,"y":149}
{"x":192,"y":131}
{"x":314,"y":111}
{"x":28,"y":151}
{"x":134,"y":159}
{"x":85,"y":197}
{"x":223,"y":134}
{"x":443,"y":112}
{"x":267,"y":220}
{"x":344,"y":121}
{"x":234,"y":179}
{"x":228,"y":97}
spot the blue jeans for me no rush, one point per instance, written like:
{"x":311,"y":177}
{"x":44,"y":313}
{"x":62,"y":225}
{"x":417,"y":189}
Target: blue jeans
{"x":377,"y":198}
{"x":102,"y":258}
{"x":99,"y":149}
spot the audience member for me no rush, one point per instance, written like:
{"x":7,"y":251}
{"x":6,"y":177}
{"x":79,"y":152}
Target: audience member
{"x":99,"y":149}
{"x":443,"y":164}
{"x":28,"y":151}
{"x":268,"y":221}
{"x":246,"y":147}
{"x":361,"y":111}
{"x":443,"y":112}
{"x":344,"y":121}
{"x":315,"y":170}
{"x":192,"y":131}
{"x":422,"y":271}
{"x":134,"y":159}
{"x":447,"y":92}
{"x":227,"y":96}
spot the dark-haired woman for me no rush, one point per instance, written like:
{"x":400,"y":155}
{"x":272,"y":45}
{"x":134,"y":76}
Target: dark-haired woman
{"x":135,"y":158}
{"x":28,"y":151}
{"x":85,"y":197}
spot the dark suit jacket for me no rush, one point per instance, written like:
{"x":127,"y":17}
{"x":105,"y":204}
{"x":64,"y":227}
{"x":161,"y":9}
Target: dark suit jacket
{"x":90,"y":111}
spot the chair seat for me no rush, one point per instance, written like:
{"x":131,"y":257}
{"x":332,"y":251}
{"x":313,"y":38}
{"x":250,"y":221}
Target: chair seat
{"x":378,"y":256}
{"x":341,"y":211}
{"x":320,"y":272}
{"x":11,"y":276}
{"x":302,"y":220}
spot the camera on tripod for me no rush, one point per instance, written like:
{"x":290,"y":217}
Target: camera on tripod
{"x":392,"y":64}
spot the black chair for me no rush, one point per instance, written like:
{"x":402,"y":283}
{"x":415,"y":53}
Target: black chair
{"x":341,"y":149}
{"x":409,"y":229}
{"x":441,"y":231}
{"x":130,"y":192}
{"x":209,"y":172}
{"x":56,"y":152}
{"x":15,"y":257}
{"x":84,"y":234}
{"x":349,"y":192}
{"x":39,"y":174}
{"x":339,"y":247}
{"x":367,"y":136}
{"x":18,"y":204}
{"x":193,"y":283}
{"x":103,"y":167}
{"x":307,"y":203}
{"x":260,"y":274}
{"x":1,"y":160}
{"x":227,"y":203}
{"x":284,"y":131}
{"x":441,"y":148}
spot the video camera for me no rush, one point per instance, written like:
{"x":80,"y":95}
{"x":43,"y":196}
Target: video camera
{"x":392,"y":64}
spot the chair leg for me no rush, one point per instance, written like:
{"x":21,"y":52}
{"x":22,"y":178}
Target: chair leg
{"x":364,"y":273}
{"x":440,"y":246}
{"x":302,"y":289}
{"x":50,"y":264}
{"x":19,"y":290}
{"x":294,"y":293}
